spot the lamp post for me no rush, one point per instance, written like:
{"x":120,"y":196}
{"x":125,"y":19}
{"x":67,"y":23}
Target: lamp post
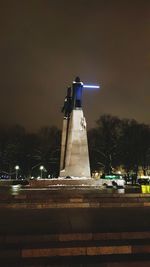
{"x":17,"y":169}
{"x":41,"y":169}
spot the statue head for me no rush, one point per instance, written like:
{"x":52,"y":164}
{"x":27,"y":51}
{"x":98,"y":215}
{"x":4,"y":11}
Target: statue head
{"x":77,"y":79}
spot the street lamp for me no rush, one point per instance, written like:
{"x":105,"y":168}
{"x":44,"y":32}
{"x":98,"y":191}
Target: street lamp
{"x":17,"y":169}
{"x":41,"y":169}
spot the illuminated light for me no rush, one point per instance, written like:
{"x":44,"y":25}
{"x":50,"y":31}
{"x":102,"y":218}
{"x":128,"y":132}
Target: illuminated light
{"x":145,"y":189}
{"x":78,"y":82}
{"x":17,"y":170}
{"x":15,"y":189}
{"x":91,"y":86}
{"x":41,"y":168}
{"x":116,"y":177}
{"x":16,"y":167}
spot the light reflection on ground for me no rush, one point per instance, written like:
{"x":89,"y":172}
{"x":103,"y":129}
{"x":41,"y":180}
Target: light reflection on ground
{"x":100,"y":190}
{"x":14,"y":190}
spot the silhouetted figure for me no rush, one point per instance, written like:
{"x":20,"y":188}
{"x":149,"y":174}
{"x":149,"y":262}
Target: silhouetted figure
{"x":77,"y":93}
{"x":67,"y":107}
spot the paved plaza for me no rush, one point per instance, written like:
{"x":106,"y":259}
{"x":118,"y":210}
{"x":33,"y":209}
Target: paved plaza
{"x":83,"y":227}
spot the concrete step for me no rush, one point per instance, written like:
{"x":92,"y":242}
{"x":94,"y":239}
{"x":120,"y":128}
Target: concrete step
{"x":80,"y":261}
{"x":76,"y":203}
{"x":39,"y":199}
{"x":77,"y":244}
{"x":6,"y":240}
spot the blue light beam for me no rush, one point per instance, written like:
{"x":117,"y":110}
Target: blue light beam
{"x":91,"y":86}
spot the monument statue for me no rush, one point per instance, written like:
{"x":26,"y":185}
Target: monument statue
{"x":74,"y":147}
{"x":67,"y":107}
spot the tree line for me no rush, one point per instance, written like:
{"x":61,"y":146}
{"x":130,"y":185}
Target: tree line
{"x":119,"y":142}
{"x":113,"y":142}
{"x":29,"y":151}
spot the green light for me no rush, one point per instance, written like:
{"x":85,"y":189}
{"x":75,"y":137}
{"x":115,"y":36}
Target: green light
{"x":113,"y":177}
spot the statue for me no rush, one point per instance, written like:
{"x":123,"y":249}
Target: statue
{"x":67,"y":107}
{"x":77,"y":93}
{"x":74,"y":147}
{"x":73,"y":99}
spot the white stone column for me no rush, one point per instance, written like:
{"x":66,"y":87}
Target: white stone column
{"x":76,"y":155}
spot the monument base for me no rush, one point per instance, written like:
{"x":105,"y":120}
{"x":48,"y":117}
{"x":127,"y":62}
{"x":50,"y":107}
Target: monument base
{"x":61,"y":182}
{"x":75,"y":157}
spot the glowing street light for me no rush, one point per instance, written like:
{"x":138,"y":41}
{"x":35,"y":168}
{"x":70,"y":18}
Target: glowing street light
{"x":41,"y":169}
{"x":17,"y":170}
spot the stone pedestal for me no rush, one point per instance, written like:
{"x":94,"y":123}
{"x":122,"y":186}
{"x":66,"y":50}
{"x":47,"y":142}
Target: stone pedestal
{"x":74,"y":147}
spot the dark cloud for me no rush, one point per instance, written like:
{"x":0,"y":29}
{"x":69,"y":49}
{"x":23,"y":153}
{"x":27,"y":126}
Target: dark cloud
{"x":46,"y":43}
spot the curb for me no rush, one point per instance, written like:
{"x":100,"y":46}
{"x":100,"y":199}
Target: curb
{"x":71,"y":205}
{"x":23,"y":239}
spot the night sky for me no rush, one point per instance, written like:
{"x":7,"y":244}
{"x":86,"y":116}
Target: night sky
{"x":45,"y":44}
